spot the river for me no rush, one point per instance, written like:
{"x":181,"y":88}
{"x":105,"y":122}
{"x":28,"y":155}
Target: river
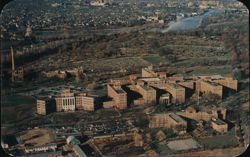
{"x":190,"y":23}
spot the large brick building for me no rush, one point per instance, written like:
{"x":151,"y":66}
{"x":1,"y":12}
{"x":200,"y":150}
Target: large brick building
{"x":219,"y":125}
{"x":149,"y":72}
{"x":209,"y":87}
{"x":228,"y":82}
{"x":66,"y":101}
{"x":148,"y":93}
{"x":205,"y":115}
{"x":187,"y":84}
{"x":118,"y":95}
{"x":86,"y":102}
{"x":45,"y":106}
{"x":168,"y":120}
{"x":177,"y":92}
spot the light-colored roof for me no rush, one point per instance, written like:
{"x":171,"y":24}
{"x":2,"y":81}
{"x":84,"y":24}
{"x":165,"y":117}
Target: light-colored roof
{"x":79,"y":151}
{"x":177,"y":118}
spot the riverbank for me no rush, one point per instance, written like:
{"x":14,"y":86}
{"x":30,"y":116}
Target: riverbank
{"x":189,"y":23}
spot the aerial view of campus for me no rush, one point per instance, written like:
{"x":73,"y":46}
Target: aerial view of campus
{"x":124,"y":78}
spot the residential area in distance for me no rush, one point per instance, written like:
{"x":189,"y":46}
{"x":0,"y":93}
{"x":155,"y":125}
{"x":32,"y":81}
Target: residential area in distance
{"x":147,"y":78}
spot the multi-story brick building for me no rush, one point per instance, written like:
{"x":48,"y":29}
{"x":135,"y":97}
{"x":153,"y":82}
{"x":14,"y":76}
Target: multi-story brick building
{"x":219,"y":125}
{"x":187,"y":84}
{"x":147,"y":92}
{"x":148,"y":72}
{"x":205,"y":114}
{"x":85,"y":102}
{"x":118,"y":95}
{"x":119,"y":82}
{"x":18,"y":74}
{"x":168,"y":120}
{"x":45,"y":106}
{"x":209,"y":87}
{"x":66,"y":101}
{"x":228,"y":82}
{"x":177,"y":92}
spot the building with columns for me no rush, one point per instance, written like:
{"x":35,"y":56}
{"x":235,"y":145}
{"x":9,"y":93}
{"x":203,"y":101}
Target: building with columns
{"x":66,"y":101}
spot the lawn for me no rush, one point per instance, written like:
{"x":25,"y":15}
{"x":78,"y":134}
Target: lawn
{"x":220,"y":70}
{"x":16,"y":100}
{"x":219,"y":141}
{"x":206,"y":59}
{"x":16,"y":108}
{"x":104,"y":113}
{"x":154,"y":59}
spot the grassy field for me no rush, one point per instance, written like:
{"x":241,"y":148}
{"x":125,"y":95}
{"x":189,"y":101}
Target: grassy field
{"x":191,"y":50}
{"x":222,"y":70}
{"x":16,"y":108}
{"x":154,"y":59}
{"x":16,"y":100}
{"x":193,"y":47}
{"x":104,"y":113}
{"x":220,"y":141}
{"x":205,"y":70}
{"x":216,"y":152}
{"x":207,"y":59}
{"x":87,"y":116}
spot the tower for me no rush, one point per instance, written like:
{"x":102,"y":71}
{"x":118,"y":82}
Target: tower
{"x":17,"y":74}
{"x":12,"y":59}
{"x":13,"y":64}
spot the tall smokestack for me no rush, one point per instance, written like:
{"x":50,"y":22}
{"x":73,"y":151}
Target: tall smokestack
{"x":12,"y":59}
{"x":1,"y":58}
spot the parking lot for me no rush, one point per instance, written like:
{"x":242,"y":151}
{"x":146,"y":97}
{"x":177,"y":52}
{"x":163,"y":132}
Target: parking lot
{"x":107,"y":128}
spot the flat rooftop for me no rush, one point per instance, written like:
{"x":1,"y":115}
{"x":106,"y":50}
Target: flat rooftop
{"x":176,"y":86}
{"x":79,"y":151}
{"x":210,"y":76}
{"x":217,"y":77}
{"x":118,"y":90}
{"x":177,"y":118}
{"x":44,"y":98}
{"x":146,"y":87}
{"x":165,"y":95}
{"x":212,"y":83}
{"x":150,"y":79}
{"x":219,"y":122}
{"x":46,"y":145}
